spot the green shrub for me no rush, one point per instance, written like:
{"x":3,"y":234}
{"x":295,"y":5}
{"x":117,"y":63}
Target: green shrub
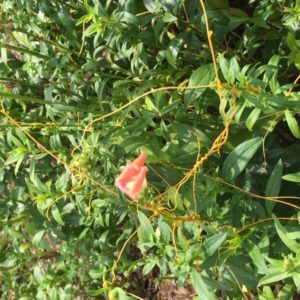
{"x":209,"y":91}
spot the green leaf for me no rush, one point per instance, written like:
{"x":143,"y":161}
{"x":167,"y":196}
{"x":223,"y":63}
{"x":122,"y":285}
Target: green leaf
{"x":56,"y":214}
{"x":239,"y":111}
{"x":204,"y":75}
{"x":32,"y":168}
{"x":38,"y":275}
{"x":273,"y":185}
{"x":212,"y":244}
{"x":234,"y":70}
{"x":149,"y":266}
{"x":245,"y":275}
{"x":14,"y":157}
{"x":296,"y":278}
{"x":151,"y":5}
{"x":267,"y":294}
{"x":273,"y":277}
{"x":182,"y":239}
{"x":61,"y":107}
{"x":294,"y":234}
{"x":146,"y":232}
{"x":4,"y":55}
{"x":292,"y":123}
{"x":173,"y":50}
{"x":282,"y":232}
{"x":128,"y":18}
{"x":165,"y":231}
{"x":257,"y":257}
{"x":230,"y":68}
{"x":54,"y":293}
{"x":294,"y":177}
{"x":23,"y":50}
{"x":287,"y":292}
{"x":14,"y":234}
{"x":252,"y":118}
{"x":62,"y":182}
{"x":238,"y":159}
{"x":292,"y":42}
{"x":150,"y":105}
{"x":224,"y":65}
{"x":40,"y":185}
{"x":8,"y":263}
{"x":38,"y":241}
{"x":203,"y":292}
{"x":119,"y":294}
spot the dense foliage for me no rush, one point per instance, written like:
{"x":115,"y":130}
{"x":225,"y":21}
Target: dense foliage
{"x":208,"y":90}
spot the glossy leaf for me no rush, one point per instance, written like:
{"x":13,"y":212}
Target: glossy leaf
{"x":200,"y":287}
{"x":294,"y":177}
{"x":274,"y":184}
{"x":257,"y":258}
{"x":282,"y":232}
{"x":213,"y":243}
{"x":238,"y":159}
{"x":146,"y":232}
{"x":273,"y":277}
{"x":292,"y":123}
{"x":252,"y":118}
{"x":204,"y":75}
{"x":173,"y":50}
{"x":56,"y":214}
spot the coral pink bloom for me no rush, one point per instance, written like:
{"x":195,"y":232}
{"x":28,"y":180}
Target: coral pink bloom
{"x":132,"y":180}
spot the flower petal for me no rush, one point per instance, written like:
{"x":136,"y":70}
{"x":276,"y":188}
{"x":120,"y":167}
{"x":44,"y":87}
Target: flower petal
{"x":127,"y":174}
{"x":139,"y":182}
{"x":140,"y":161}
{"x":132,"y":180}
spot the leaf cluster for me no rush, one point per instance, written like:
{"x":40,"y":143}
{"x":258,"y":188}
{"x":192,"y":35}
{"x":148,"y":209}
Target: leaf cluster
{"x":85,"y":85}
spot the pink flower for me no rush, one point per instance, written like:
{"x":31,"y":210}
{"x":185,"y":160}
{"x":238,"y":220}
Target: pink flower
{"x":132,"y":180}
